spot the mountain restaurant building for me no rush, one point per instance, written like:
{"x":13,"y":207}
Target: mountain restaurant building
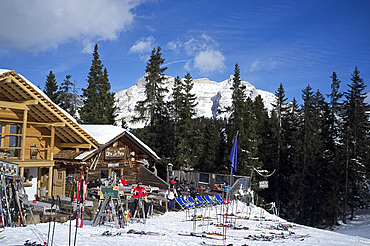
{"x":32,"y":131}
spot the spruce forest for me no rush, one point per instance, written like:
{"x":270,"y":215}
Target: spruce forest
{"x":319,"y":150}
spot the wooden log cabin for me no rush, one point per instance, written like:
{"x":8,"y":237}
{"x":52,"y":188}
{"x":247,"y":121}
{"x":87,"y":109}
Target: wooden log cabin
{"x":120,"y":152}
{"x":52,"y":149}
{"x":33,"y":130}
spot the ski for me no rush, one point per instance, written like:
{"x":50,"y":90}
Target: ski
{"x":192,"y":234}
{"x":132,"y":231}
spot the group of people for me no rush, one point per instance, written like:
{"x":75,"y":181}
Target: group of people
{"x":175,"y":189}
{"x":178,"y":189}
{"x":97,"y":182}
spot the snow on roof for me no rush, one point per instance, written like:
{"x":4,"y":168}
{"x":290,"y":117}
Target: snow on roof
{"x":84,"y":154}
{"x":143,"y":144}
{"x":103,"y":133}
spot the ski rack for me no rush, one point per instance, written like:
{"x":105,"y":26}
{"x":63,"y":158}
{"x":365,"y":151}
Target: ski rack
{"x":107,"y":208}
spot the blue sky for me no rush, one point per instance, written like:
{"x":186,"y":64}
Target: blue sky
{"x":291,"y":42}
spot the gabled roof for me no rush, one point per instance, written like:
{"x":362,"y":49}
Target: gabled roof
{"x":108,"y":134}
{"x":16,"y":89}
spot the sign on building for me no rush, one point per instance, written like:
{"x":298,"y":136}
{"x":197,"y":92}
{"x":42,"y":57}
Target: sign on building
{"x":114,"y":153}
{"x":264,"y":184}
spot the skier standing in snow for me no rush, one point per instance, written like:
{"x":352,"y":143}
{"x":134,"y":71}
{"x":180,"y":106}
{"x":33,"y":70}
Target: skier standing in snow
{"x":139,"y":192}
{"x":171,"y":194}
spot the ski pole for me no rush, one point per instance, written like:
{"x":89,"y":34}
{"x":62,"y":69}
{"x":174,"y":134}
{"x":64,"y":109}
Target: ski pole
{"x":75,"y":236}
{"x":51,"y":209}
{"x":70,"y":230}
{"x":55,"y":215}
{"x":78,"y":208}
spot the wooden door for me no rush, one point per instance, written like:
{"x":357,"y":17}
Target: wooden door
{"x":59,"y":181}
{"x":43,"y":181}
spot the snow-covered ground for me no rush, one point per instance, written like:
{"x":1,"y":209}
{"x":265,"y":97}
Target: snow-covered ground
{"x":360,"y":226}
{"x":168,"y":227}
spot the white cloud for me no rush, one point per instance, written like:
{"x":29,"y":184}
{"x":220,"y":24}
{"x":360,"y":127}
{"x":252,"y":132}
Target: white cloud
{"x":188,"y":66}
{"x":195,"y":45}
{"x":143,"y":45}
{"x":267,"y":65}
{"x":209,"y":61}
{"x":174,"y":45}
{"x":88,"y":46}
{"x":37,"y":25}
{"x":204,"y":52}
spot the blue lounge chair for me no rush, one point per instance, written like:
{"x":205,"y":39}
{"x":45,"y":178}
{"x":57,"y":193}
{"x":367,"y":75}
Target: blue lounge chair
{"x":219,"y":199}
{"x":200,"y":199}
{"x":197,"y":204}
{"x":183,"y":204}
{"x":210,"y":201}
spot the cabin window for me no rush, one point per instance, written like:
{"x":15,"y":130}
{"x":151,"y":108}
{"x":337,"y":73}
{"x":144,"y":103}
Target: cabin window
{"x":204,"y":178}
{"x":104,"y":174}
{"x":15,"y":140}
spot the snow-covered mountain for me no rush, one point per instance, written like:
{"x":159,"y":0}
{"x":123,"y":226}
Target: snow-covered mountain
{"x":211,"y":96}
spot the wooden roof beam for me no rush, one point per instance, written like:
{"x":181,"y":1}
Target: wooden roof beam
{"x":41,"y":124}
{"x":31,"y":102}
{"x":7,"y":79}
{"x":74,"y":145}
{"x":13,"y":105}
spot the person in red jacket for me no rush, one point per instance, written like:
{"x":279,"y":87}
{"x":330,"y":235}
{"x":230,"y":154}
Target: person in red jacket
{"x":139,"y":192}
{"x":123,"y":181}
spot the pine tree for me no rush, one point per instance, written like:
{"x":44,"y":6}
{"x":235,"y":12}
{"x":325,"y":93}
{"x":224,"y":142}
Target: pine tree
{"x":154,"y":111}
{"x":248,"y":154}
{"x":109,"y":101}
{"x":184,"y":109}
{"x":51,"y":88}
{"x":66,"y":96}
{"x":237,"y":121}
{"x":208,"y":156}
{"x":98,"y":100}
{"x":332,"y":131}
{"x":237,"y":105}
{"x":151,"y":109}
{"x":291,"y":124}
{"x":310,"y":190}
{"x":281,"y":109}
{"x":355,"y":142}
{"x":273,"y":149}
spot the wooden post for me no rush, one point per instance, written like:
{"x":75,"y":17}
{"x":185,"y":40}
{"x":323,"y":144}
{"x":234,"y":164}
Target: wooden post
{"x":52,"y":139}
{"x":21,"y":171}
{"x":24,"y":127}
{"x":38,"y":181}
{"x":50,"y":181}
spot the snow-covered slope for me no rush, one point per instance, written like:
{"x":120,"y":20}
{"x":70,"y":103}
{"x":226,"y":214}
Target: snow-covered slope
{"x":211,"y":96}
{"x":250,"y":226}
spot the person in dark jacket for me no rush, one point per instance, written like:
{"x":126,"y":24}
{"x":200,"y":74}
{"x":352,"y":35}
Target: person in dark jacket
{"x":178,"y":186}
{"x":193,"y":190}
